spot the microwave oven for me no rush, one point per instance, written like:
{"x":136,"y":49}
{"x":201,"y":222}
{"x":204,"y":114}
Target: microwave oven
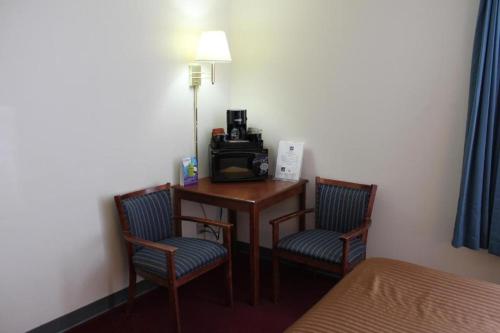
{"x":238,"y":165}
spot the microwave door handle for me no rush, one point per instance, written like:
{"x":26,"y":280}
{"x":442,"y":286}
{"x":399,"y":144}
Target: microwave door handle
{"x":234,"y":154}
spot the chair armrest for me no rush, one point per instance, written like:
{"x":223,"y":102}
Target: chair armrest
{"x":276,"y":223}
{"x":287,"y":217}
{"x":149,"y":244}
{"x":358,"y":231}
{"x":204,"y":221}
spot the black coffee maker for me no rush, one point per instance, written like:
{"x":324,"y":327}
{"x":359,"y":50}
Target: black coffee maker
{"x":236,"y":124}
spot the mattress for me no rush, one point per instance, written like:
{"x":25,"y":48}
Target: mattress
{"x":383,"y":295}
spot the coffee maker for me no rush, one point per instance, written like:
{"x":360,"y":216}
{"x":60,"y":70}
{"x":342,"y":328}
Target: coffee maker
{"x":236,"y":124}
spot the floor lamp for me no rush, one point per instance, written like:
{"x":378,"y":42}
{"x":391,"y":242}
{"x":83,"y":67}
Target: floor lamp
{"x":212,"y":48}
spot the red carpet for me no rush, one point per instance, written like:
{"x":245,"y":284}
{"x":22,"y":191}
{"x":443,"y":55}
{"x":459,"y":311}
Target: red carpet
{"x":203,"y":309}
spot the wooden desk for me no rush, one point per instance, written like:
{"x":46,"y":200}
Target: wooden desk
{"x":251,"y":197}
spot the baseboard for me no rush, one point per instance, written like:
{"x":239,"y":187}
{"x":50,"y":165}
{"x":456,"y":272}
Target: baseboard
{"x":91,"y":310}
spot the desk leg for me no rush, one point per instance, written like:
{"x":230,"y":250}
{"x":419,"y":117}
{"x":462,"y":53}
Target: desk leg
{"x":302,"y":206}
{"x":232,"y":217}
{"x":254,"y":255}
{"x":177,"y":212}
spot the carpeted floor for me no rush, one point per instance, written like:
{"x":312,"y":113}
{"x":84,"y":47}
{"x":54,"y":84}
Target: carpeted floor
{"x":203,"y":310}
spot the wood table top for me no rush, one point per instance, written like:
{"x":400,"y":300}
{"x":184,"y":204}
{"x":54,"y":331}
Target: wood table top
{"x":253,"y":191}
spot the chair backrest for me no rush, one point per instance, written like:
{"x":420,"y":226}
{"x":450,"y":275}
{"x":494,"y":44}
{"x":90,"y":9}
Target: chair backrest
{"x":147,"y":214}
{"x":342,"y":206}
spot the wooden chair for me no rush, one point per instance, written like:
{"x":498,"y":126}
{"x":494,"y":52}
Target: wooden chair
{"x":338,"y":241}
{"x":156,"y":254}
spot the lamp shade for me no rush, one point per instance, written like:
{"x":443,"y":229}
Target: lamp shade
{"x":213,"y":47}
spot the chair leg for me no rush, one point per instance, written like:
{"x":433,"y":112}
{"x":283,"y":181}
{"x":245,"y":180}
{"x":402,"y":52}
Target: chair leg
{"x":345,"y":269}
{"x":174,"y":303}
{"x":132,"y":277}
{"x":229,"y":282}
{"x":276,"y":278}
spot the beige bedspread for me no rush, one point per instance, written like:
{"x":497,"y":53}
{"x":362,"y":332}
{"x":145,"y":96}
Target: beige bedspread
{"x":383,"y":295}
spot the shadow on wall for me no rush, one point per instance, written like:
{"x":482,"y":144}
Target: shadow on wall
{"x":308,"y":164}
{"x":309,"y":171}
{"x":176,"y":165}
{"x":114,"y":247}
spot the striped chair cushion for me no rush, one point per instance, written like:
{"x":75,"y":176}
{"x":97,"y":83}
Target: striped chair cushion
{"x":149,"y":216}
{"x":191,"y":254}
{"x":321,"y":244}
{"x":340,"y":209}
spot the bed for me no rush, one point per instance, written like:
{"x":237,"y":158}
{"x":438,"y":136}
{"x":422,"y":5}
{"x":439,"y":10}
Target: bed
{"x":383,"y":295}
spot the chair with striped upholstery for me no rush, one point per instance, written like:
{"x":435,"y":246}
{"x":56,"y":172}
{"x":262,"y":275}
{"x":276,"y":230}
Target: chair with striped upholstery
{"x":156,"y":250}
{"x":338,"y":241}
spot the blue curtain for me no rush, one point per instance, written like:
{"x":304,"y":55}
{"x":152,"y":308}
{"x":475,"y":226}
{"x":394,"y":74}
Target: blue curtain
{"x":478,"y":217}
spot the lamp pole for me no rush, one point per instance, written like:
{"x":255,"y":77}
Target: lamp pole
{"x":195,"y":92}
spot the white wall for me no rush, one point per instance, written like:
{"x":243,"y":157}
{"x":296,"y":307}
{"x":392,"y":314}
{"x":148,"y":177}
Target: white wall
{"x":94,"y":101}
{"x":378,"y":92}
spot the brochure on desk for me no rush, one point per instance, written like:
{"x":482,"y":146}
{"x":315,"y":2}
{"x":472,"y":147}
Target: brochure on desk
{"x":289,"y":160}
{"x":189,"y":171}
